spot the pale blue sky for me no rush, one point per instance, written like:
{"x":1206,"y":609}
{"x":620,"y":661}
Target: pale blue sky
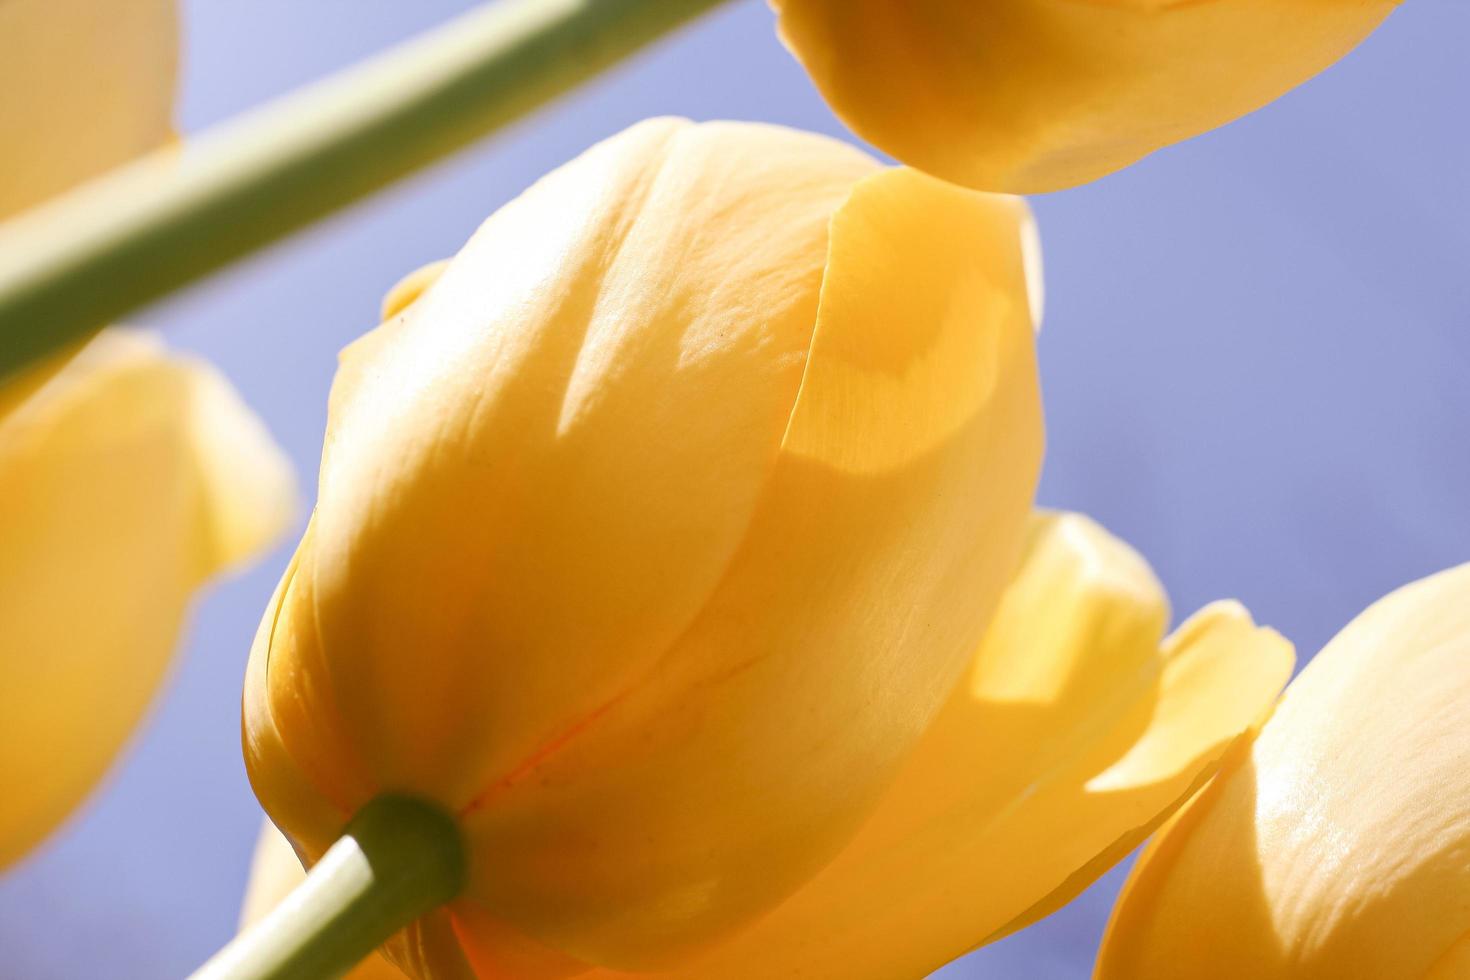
{"x":1255,"y":363}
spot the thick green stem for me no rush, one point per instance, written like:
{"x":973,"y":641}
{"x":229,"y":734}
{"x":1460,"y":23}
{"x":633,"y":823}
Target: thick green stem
{"x":77,"y":264}
{"x":399,"y":858}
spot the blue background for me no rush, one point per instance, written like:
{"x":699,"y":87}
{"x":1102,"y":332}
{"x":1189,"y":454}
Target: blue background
{"x":1255,"y":361}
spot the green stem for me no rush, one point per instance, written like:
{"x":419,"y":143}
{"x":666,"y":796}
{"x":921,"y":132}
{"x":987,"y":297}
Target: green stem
{"x":77,"y":264}
{"x":399,"y":858}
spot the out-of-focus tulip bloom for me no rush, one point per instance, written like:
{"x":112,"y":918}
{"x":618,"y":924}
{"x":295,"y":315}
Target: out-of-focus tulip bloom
{"x":1037,"y":95}
{"x":274,"y":871}
{"x":652,"y":536}
{"x":1338,"y":845}
{"x":128,"y":476}
{"x":1075,"y":730}
{"x":88,"y":84}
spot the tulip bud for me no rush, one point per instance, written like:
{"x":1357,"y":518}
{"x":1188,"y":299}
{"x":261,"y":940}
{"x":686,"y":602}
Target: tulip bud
{"x":128,"y":476}
{"x":1337,"y":845}
{"x":652,"y":536}
{"x":1038,"y":95}
{"x":89,"y":84}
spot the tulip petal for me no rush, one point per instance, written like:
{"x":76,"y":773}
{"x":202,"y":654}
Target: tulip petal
{"x":1072,"y":734}
{"x":88,"y":85}
{"x":745,"y":759}
{"x":127,"y":477}
{"x":302,"y":799}
{"x":1339,"y":845}
{"x":406,"y":291}
{"x":1453,"y":963}
{"x":1037,"y":95}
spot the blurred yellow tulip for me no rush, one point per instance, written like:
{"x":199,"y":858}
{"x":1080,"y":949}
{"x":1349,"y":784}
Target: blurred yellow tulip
{"x":652,"y":536}
{"x":88,"y":84}
{"x":1037,"y":95}
{"x":274,"y":871}
{"x":128,"y":476}
{"x":1076,"y":729}
{"x":1338,"y":845}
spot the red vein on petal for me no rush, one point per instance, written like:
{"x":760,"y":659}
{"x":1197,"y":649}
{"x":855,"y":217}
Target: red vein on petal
{"x":542,"y":752}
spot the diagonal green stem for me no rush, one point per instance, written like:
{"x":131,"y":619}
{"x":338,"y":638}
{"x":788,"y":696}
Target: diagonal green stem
{"x":102,"y":251}
{"x":399,"y":858}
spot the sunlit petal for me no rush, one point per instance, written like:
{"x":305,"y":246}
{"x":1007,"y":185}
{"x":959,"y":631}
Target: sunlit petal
{"x":1073,"y":733}
{"x":128,"y":476}
{"x":1036,"y":95}
{"x":1339,"y":845}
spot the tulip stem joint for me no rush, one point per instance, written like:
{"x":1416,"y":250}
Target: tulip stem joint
{"x":399,"y":858}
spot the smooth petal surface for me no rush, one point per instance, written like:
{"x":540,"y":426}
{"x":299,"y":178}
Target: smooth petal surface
{"x":406,"y":291}
{"x":1037,"y":95}
{"x":127,"y":477}
{"x":539,"y":470}
{"x":1339,"y":845}
{"x":652,"y":535}
{"x":88,"y":84}
{"x":743,"y":760}
{"x":1073,"y":733}
{"x":274,"y":872}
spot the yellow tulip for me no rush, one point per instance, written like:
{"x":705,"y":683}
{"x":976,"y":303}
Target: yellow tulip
{"x":652,"y":536}
{"x":127,"y":477}
{"x":1338,"y":845}
{"x":1075,"y":730}
{"x":274,"y":871}
{"x":1037,"y":95}
{"x":88,"y":84}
